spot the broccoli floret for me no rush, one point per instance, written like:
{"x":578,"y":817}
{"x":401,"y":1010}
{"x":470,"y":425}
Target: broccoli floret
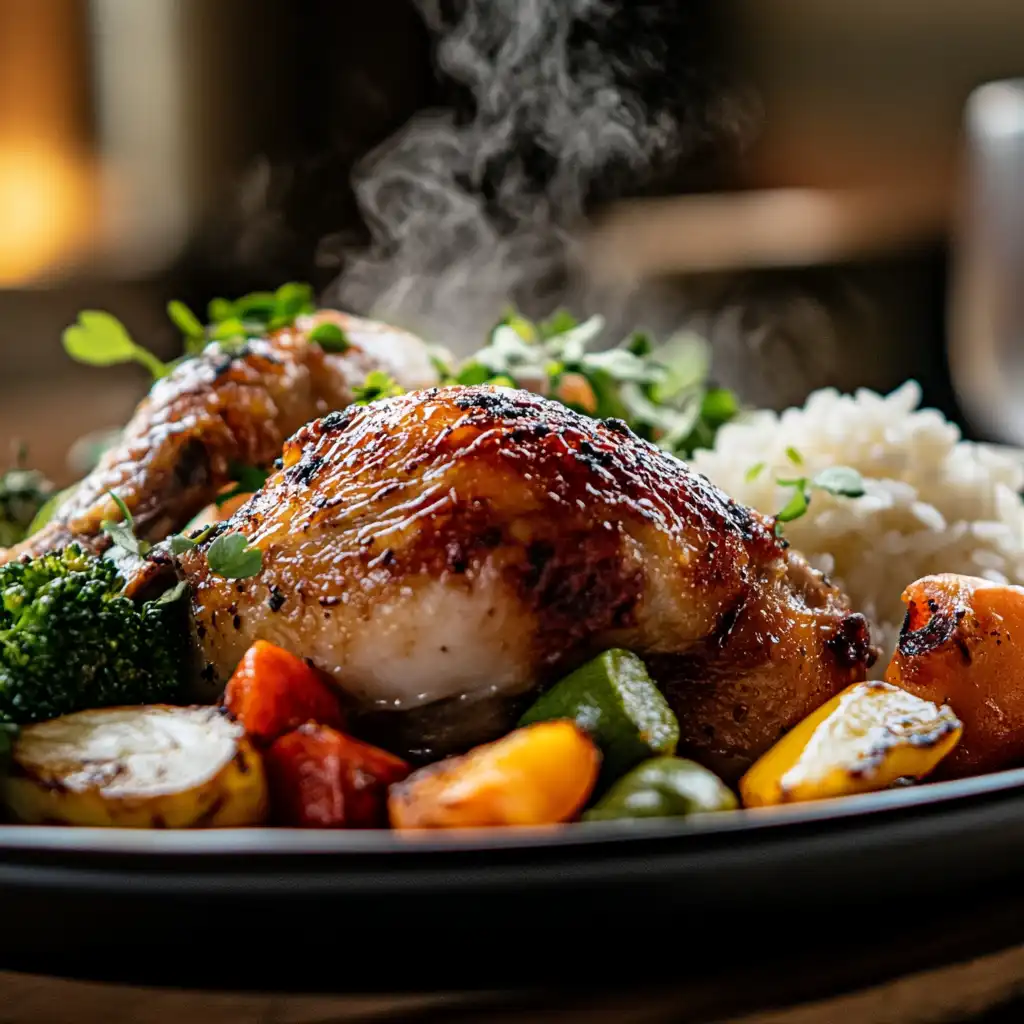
{"x":23,"y":492}
{"x":71,"y":640}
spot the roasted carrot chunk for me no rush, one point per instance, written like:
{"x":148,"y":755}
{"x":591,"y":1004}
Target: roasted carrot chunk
{"x":540,"y":774}
{"x":321,"y":778}
{"x":273,"y":692}
{"x":963,"y":644}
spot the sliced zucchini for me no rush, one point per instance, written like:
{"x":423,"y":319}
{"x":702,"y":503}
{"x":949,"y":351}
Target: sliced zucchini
{"x":664,"y":787}
{"x":157,"y":766}
{"x":615,"y":701}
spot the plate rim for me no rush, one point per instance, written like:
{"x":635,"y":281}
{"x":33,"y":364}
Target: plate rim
{"x":928,"y":799}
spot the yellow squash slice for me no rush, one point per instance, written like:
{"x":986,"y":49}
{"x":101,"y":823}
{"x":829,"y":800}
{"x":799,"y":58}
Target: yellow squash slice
{"x":156,"y":766}
{"x":864,"y":739}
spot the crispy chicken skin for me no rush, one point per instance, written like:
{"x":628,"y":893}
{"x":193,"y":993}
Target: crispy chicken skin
{"x":176,"y":452}
{"x":443,"y":554}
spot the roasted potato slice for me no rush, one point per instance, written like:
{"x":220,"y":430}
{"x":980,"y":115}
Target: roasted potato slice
{"x":156,"y":766}
{"x":866,"y":738}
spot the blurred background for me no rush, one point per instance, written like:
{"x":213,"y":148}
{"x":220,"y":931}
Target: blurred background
{"x":193,"y":148}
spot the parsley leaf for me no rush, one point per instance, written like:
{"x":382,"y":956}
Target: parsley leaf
{"x":293,"y":299}
{"x":330,"y":337}
{"x":794,"y":456}
{"x":219,"y":309}
{"x":661,"y":392}
{"x":170,"y":596}
{"x":123,"y":533}
{"x":377,"y":385}
{"x":188,"y":323}
{"x":232,"y":323}
{"x":100,"y":339}
{"x":754,"y":472}
{"x":843,"y":481}
{"x":179,"y":543}
{"x":231,"y":557}
{"x":795,"y":507}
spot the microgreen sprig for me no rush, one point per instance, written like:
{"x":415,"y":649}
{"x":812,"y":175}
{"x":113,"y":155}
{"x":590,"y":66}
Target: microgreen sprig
{"x":662,"y":392}
{"x":229,"y":555}
{"x":841,"y":481}
{"x":377,"y":385}
{"x":100,"y":339}
{"x":123,"y":533}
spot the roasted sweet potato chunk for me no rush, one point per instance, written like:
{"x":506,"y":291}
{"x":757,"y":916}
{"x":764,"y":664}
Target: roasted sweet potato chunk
{"x":540,"y":774}
{"x":321,"y":778}
{"x":962,"y":644}
{"x":272,"y":692}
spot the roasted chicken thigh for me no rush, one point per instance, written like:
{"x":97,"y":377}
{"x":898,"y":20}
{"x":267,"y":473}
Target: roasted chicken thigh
{"x":443,"y":554}
{"x":221,"y":409}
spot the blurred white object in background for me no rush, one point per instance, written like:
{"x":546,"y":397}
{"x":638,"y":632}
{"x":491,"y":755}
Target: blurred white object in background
{"x":986,"y":339}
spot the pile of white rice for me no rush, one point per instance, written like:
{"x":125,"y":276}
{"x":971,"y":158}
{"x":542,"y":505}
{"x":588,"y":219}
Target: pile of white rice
{"x":933,"y":502}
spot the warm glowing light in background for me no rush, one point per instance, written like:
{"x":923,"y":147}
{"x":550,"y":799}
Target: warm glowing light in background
{"x":44,"y":210}
{"x":46,"y":191}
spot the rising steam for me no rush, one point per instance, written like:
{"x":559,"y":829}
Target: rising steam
{"x":570,"y":99}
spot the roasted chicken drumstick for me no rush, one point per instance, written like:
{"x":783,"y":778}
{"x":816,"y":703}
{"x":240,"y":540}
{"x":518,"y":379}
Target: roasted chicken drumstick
{"x":177,"y":451}
{"x":443,"y":554}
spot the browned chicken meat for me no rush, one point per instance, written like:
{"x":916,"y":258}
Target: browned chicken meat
{"x":443,"y":554}
{"x":177,"y":451}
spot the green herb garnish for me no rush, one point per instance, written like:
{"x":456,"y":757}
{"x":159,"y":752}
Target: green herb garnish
{"x":842,"y":481}
{"x":662,"y":392}
{"x":180,"y":543}
{"x":255,"y":314}
{"x":231,"y":557}
{"x":330,"y":337}
{"x":176,"y":592}
{"x":123,"y":533}
{"x":795,"y":507}
{"x":188,"y":323}
{"x":377,"y":385}
{"x":100,"y":339}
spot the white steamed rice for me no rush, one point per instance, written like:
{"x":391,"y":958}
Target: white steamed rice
{"x":933,"y":502}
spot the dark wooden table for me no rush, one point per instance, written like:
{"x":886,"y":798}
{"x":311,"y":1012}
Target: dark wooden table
{"x":989,"y":990}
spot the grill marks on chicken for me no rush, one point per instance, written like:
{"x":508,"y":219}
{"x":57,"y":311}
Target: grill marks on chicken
{"x":177,"y":451}
{"x":443,"y":554}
